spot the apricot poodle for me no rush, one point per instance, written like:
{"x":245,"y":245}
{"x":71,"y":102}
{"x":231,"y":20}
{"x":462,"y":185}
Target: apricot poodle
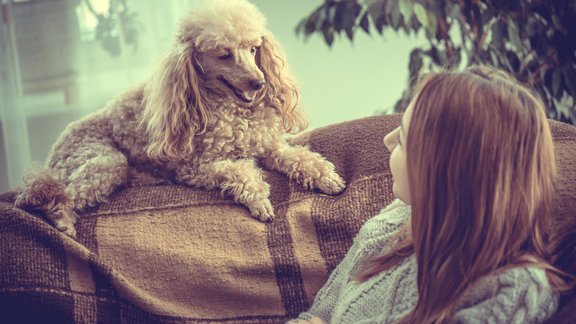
{"x":221,"y":101}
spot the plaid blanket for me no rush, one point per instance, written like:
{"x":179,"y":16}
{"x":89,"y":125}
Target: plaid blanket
{"x":173,"y":254}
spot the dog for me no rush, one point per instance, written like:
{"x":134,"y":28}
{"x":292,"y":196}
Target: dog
{"x":222,"y":100}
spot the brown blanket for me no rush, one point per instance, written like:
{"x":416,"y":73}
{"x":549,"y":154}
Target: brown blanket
{"x":176,"y":254}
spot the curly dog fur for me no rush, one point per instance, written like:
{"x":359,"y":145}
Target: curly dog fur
{"x":221,"y":100}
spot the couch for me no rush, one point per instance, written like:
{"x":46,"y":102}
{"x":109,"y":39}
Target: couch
{"x":173,"y":254}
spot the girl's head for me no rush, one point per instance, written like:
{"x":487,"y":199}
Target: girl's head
{"x":395,"y":142}
{"x":474,"y":158}
{"x":476,"y":124}
{"x":479,"y":158}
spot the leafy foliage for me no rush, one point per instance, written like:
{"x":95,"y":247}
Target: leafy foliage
{"x":535,"y":40}
{"x":118,"y":25}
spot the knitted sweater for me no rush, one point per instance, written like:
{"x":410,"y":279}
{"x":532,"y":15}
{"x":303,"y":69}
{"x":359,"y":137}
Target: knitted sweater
{"x":516,"y":295}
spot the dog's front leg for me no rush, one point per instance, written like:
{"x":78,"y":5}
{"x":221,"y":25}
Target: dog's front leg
{"x":240,"y":178}
{"x":306,"y":167}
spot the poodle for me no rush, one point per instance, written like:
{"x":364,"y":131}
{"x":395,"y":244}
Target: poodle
{"x":221,"y":101}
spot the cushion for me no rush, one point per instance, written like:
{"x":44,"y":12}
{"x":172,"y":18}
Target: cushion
{"x":169,"y":253}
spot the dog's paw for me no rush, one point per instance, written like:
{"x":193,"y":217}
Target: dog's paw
{"x":319,"y":173}
{"x":330,"y":183}
{"x":66,"y":226}
{"x":262,"y":210}
{"x":64,"y":219}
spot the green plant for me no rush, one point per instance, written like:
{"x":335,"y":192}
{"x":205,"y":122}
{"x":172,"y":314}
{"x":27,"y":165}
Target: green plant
{"x":118,"y":25}
{"x":535,"y":40}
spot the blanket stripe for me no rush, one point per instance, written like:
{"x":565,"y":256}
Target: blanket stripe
{"x":288,"y":275}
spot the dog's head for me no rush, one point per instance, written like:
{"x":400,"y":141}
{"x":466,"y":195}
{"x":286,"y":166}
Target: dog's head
{"x":226,"y":43}
{"x":222,"y":50}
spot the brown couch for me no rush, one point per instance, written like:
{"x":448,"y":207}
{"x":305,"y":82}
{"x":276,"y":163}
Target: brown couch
{"x":173,"y":254}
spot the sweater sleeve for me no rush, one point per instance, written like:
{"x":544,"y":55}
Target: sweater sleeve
{"x":373,"y":235}
{"x":517,"y":295}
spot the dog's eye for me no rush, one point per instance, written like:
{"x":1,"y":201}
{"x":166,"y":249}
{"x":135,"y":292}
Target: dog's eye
{"x":253,"y":49}
{"x":226,"y":56}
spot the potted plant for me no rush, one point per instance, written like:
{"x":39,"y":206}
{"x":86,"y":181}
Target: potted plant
{"x":118,"y":25}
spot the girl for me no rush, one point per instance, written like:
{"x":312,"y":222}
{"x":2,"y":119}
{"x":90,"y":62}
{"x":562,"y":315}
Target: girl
{"x":473,"y":167}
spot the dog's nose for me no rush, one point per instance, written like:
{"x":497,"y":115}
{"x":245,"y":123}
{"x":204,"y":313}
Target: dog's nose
{"x":257,"y":84}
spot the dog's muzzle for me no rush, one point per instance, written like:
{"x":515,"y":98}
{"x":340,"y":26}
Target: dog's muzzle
{"x":244,"y":96}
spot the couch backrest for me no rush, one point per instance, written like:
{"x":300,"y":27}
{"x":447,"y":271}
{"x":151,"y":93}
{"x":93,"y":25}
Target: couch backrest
{"x":563,"y":232}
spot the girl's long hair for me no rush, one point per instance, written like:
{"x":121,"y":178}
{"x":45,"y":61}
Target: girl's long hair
{"x":482,"y":171}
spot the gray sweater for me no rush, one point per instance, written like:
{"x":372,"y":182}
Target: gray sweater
{"x":516,"y":295}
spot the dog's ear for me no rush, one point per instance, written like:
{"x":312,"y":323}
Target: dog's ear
{"x":173,"y":106}
{"x":281,"y":90}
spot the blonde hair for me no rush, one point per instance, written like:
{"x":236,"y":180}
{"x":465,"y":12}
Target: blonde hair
{"x":281,"y":91}
{"x":482,"y":171}
{"x":175,"y":106}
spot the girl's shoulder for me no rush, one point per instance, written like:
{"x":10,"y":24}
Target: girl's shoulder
{"x":388,"y":221}
{"x":397,"y":212}
{"x":517,"y":278}
{"x":517,"y":294}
